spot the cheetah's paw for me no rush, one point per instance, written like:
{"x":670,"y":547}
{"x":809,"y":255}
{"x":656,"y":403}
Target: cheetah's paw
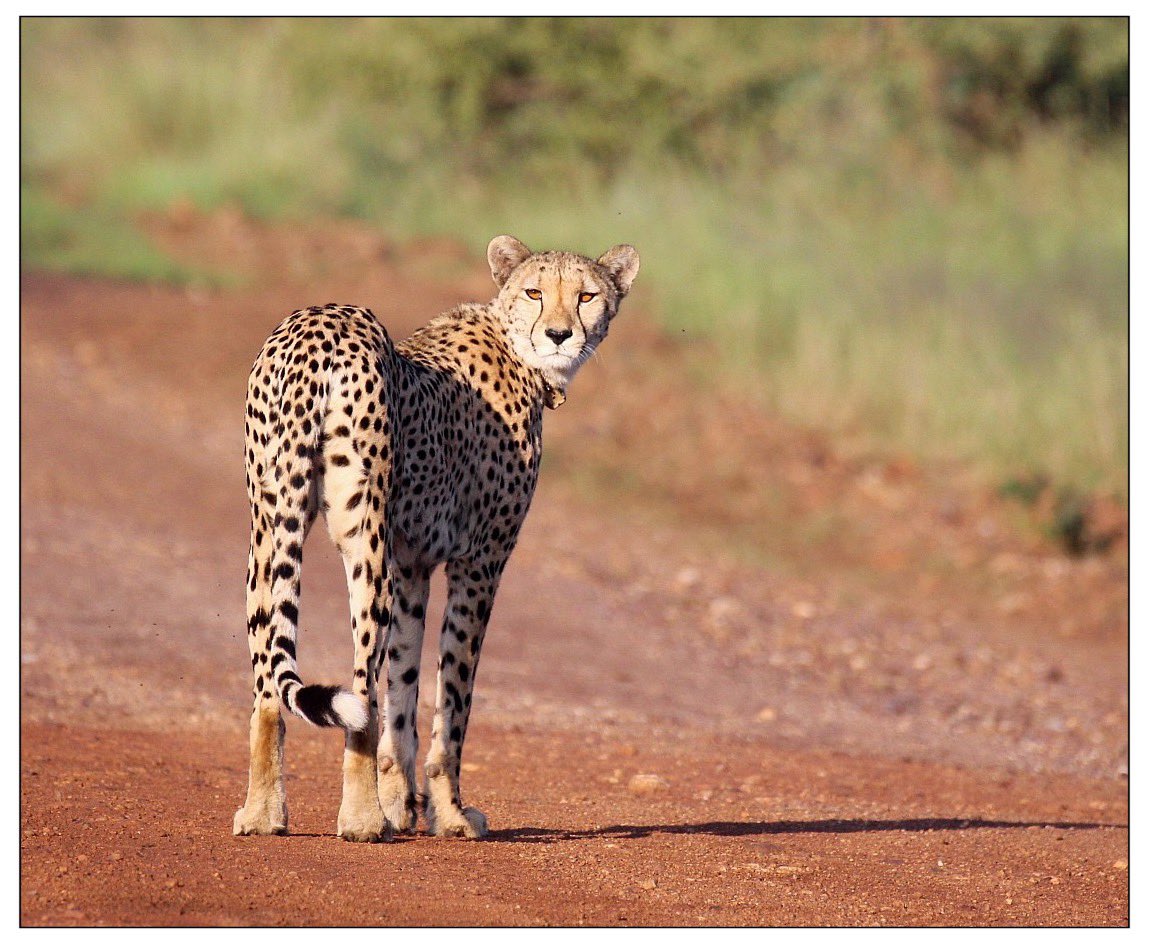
{"x":398,"y":803}
{"x":363,"y":825}
{"x":466,"y":823}
{"x":260,"y":821}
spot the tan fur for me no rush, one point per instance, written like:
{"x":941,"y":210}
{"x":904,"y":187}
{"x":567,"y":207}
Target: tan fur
{"x":419,"y":454}
{"x":265,"y":812}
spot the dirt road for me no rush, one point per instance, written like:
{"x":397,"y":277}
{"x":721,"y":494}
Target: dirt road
{"x":668,"y":730}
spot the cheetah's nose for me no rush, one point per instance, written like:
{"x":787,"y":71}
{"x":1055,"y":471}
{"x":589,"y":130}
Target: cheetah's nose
{"x":558,"y":335}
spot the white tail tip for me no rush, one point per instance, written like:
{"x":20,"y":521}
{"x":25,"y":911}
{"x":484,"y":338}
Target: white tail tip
{"x":351,"y":711}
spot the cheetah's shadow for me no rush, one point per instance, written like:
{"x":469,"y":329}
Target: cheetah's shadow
{"x":778,"y":827}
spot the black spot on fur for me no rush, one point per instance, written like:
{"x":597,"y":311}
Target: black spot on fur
{"x":332,"y":389}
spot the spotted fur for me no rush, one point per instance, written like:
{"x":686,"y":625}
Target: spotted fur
{"x":418,"y":454}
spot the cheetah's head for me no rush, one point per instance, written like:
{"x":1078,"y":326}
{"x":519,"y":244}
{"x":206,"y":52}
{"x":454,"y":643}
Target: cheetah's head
{"x":557,"y":306}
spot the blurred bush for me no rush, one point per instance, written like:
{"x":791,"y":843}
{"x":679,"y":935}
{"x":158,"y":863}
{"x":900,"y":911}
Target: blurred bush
{"x":590,"y":99}
{"x":907,"y":231}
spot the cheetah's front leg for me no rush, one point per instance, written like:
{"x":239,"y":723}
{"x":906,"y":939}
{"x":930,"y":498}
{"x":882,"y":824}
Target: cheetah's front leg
{"x":470,"y":595}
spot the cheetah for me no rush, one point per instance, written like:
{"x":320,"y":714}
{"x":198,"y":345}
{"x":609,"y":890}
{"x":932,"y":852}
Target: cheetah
{"x":419,"y":453}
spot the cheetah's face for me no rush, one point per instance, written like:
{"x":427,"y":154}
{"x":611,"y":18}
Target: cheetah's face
{"x":557,"y":306}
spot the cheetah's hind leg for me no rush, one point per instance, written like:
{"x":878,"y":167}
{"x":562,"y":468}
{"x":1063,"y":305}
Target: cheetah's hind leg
{"x":264,"y":812}
{"x":357,"y":522}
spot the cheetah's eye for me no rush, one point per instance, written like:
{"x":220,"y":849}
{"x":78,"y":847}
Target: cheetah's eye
{"x":534,"y":293}
{"x":586,"y":297}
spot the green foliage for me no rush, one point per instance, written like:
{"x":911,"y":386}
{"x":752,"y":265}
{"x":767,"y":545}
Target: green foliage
{"x":1000,"y":73}
{"x":55,"y":237}
{"x":1026,"y":489}
{"x":907,"y":231}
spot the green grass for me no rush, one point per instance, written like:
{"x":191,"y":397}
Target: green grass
{"x":913,"y":235}
{"x":990,"y":327}
{"x":84,"y":241}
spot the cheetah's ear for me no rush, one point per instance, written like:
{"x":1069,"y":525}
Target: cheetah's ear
{"x":504,"y":254}
{"x":622,"y":264}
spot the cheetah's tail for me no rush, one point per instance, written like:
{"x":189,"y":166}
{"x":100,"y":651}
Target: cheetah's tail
{"x":327,"y":706}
